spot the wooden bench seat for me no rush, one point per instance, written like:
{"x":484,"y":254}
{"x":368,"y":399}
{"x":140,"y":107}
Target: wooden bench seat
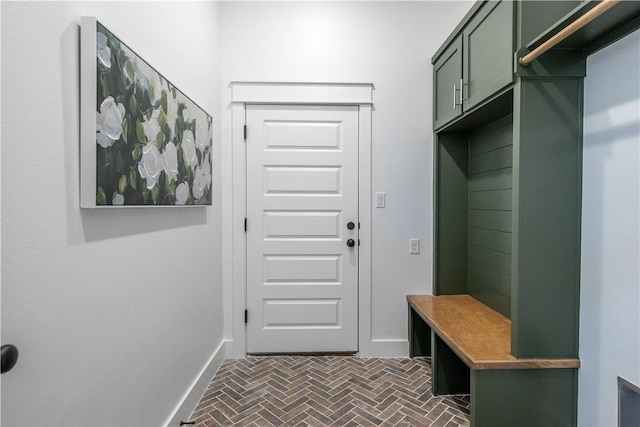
{"x":480,"y":336}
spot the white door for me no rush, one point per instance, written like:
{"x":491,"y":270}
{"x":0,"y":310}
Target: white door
{"x":302,"y":195}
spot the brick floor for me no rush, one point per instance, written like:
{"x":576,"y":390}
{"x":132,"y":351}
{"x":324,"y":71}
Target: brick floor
{"x":327,"y":391}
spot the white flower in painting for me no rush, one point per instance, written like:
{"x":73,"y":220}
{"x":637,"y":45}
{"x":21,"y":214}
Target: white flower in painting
{"x":206,"y":167}
{"x":186,"y":115}
{"x":151,"y":126}
{"x":182,"y":193}
{"x":202,"y":179}
{"x":199,"y":183}
{"x":170,"y":161}
{"x":118,"y":199}
{"x":103,"y":51}
{"x":150,"y":165}
{"x":202,"y":137}
{"x":109,"y":122}
{"x":103,"y":140}
{"x":189,"y":149}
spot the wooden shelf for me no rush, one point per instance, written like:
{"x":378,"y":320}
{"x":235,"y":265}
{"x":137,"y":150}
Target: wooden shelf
{"x":615,"y":23}
{"x":480,"y":336}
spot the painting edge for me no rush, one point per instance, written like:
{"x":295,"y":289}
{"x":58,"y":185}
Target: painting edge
{"x":88,"y":90}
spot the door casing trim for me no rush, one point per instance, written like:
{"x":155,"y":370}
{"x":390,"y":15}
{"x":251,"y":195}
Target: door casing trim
{"x":235,"y":194}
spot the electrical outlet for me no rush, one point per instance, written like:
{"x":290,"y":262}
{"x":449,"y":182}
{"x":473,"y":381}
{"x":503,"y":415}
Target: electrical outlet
{"x":414,"y":246}
{"x":381,"y":200}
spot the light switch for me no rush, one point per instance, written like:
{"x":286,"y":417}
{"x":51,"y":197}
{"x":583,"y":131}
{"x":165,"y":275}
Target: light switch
{"x":381,"y":200}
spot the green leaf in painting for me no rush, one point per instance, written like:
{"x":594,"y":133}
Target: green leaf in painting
{"x":132,"y":178}
{"x":163,"y":101}
{"x":137,"y":151}
{"x":154,"y":194}
{"x":162,"y":120}
{"x":101,"y":198}
{"x":125,"y":129}
{"x":130,"y":71}
{"x":140,"y":132}
{"x":119,"y":162}
{"x":133,"y":106}
{"x":122,"y":184}
{"x":159,"y":140}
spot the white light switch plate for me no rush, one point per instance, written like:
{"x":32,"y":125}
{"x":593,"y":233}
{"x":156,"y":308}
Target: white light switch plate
{"x":381,"y":200}
{"x":414,"y":246}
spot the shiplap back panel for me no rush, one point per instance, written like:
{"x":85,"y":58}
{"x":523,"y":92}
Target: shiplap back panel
{"x":490,"y":217}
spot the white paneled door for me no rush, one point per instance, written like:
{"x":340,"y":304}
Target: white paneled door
{"x":302,"y":228}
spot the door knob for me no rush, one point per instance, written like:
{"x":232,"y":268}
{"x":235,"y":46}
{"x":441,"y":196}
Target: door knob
{"x":351,"y":225}
{"x":351,"y":243}
{"x":9,"y":357}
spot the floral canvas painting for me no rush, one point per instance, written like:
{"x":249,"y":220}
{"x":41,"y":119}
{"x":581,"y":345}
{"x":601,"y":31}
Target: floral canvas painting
{"x":152,"y":143}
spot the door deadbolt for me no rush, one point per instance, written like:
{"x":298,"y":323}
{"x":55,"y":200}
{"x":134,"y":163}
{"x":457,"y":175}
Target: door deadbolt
{"x":351,"y":225}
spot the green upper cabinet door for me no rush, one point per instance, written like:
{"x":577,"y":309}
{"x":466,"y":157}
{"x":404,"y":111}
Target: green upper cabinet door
{"x":447,"y":78}
{"x":488,"y":52}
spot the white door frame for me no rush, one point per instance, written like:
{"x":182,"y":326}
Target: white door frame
{"x":234,"y":238}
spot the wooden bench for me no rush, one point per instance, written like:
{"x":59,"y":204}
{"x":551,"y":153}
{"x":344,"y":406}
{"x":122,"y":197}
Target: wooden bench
{"x":470,"y":346}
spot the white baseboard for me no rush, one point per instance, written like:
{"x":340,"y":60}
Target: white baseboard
{"x":234,"y":350}
{"x":192,"y":397}
{"x":388,"y":348}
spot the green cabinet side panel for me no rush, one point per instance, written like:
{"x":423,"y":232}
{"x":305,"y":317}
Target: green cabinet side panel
{"x":451,"y":214}
{"x":447,"y":72}
{"x":490,"y":217}
{"x":488,"y":51}
{"x":547,"y":177}
{"x":524,"y":398}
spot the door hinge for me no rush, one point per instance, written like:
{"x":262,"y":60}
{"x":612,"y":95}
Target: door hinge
{"x":246,"y":316}
{"x":245,"y":225}
{"x":245,"y":132}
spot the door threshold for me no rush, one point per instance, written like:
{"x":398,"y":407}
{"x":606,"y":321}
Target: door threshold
{"x":311,"y":353}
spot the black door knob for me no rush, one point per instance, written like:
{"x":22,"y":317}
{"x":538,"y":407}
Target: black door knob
{"x":351,"y":225}
{"x":351,"y":243}
{"x":9,"y":357}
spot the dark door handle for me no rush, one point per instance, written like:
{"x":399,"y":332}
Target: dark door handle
{"x":351,"y":243}
{"x":9,"y":357}
{"x":351,"y":225}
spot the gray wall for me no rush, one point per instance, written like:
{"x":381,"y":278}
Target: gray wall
{"x":115,"y":312}
{"x":610,"y":275}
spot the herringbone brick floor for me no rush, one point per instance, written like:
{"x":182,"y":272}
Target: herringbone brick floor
{"x":340,"y":391}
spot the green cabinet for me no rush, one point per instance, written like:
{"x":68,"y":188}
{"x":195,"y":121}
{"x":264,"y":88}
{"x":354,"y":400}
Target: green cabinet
{"x":447,"y":72}
{"x":476,"y":64}
{"x":507,"y":182}
{"x":507,"y":195}
{"x":488,"y":52}
{"x":507,"y":179}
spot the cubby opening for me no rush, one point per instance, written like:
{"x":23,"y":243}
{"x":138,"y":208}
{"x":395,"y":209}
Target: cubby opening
{"x":474,"y":187}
